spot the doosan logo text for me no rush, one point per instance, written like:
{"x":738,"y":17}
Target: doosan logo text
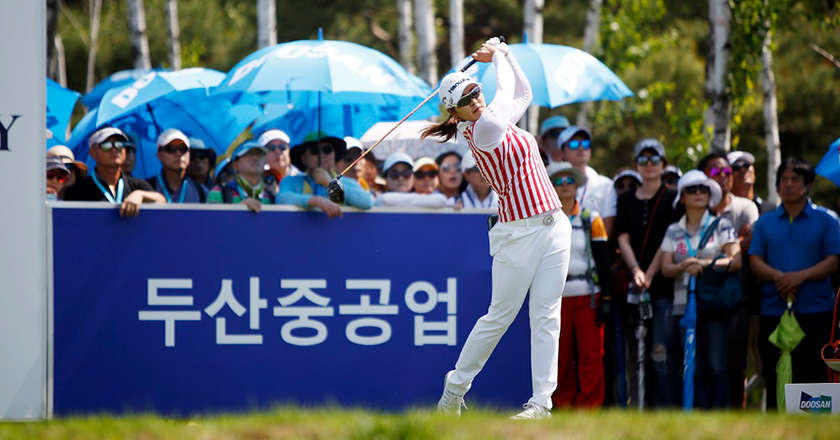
{"x":816,"y":404}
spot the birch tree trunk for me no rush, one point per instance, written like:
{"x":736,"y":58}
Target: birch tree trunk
{"x":137,"y":33}
{"x":533,"y":28}
{"x":60,"y":64}
{"x":771,"y":120}
{"x":95,"y":19}
{"x":406,"y":38}
{"x":173,"y":34}
{"x":427,"y":62}
{"x":266,"y":23}
{"x":718,"y":113}
{"x":52,"y":30}
{"x":590,"y":45}
{"x":456,"y":31}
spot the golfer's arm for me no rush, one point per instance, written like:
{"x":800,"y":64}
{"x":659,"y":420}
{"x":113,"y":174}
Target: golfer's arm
{"x":522,"y":94}
{"x":491,"y":126}
{"x":762,"y":270}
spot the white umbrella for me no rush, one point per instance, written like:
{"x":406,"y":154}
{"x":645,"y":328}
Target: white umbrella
{"x":406,"y":138}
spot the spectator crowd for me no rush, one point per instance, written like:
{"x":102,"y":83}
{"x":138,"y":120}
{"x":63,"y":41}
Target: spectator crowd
{"x":643,"y":242}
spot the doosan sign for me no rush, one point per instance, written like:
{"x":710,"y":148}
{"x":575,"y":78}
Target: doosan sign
{"x":812,"y":398}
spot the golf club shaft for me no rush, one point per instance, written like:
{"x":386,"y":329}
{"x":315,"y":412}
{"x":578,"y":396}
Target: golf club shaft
{"x":463,"y":69}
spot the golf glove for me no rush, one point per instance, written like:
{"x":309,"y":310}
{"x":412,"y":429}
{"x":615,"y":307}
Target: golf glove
{"x":501,"y":47}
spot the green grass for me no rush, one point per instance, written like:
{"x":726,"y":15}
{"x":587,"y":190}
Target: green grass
{"x":300,"y":423}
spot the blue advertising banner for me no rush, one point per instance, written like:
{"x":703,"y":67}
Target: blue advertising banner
{"x":185,"y":311}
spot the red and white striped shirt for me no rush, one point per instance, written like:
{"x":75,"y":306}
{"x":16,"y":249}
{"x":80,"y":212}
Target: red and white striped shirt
{"x":516,"y":172}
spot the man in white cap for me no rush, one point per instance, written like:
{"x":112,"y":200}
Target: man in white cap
{"x":598,"y":193}
{"x":173,"y":149}
{"x":399,"y":179}
{"x":247,"y":186}
{"x":277,"y":162}
{"x":107,"y":182}
{"x":743,"y":176}
{"x":479,"y":194}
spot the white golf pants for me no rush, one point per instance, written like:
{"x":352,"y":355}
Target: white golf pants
{"x":528,"y":255}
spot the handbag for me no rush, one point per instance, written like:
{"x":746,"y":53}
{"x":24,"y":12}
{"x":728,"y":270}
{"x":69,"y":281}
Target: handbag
{"x":717,"y":291}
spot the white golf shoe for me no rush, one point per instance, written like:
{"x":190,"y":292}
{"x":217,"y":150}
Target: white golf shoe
{"x":450,"y":403}
{"x":533,"y":411}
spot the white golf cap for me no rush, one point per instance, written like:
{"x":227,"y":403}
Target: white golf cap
{"x":452,"y":88}
{"x":99,"y":136}
{"x":170,"y":135}
{"x":273,"y":135}
{"x":353,"y":143}
{"x":468,"y":161}
{"x":627,"y":173}
{"x":395,"y":158}
{"x":744,"y":156}
{"x":697,"y":177}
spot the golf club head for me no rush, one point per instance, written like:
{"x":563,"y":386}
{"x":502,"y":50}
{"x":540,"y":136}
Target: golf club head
{"x":335,"y":190}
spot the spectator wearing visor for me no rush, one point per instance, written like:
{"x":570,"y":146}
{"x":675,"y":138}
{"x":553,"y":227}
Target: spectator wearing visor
{"x":247,"y":186}
{"x":451,"y":179}
{"x":478,"y":194}
{"x":598,"y":193}
{"x":353,"y":152}
{"x":642,"y":218}
{"x":680,"y":261}
{"x":278,"y":162}
{"x":586,"y":296}
{"x":173,"y":149}
{"x":743,"y":178}
{"x":549,"y":132}
{"x":399,"y":180}
{"x":202,"y":160}
{"x":671,"y":176}
{"x":793,"y":252}
{"x":315,"y":156}
{"x":57,"y":175}
{"x":626,"y":180}
{"x":78,"y":170}
{"x":426,"y":174}
{"x":107,"y":182}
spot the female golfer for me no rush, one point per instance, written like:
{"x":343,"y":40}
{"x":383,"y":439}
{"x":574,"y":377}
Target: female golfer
{"x":529,"y":245}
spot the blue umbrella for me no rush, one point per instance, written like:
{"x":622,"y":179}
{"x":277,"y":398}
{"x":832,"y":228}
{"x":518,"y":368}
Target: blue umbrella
{"x":116,"y":80}
{"x":119,"y":102}
{"x":214,"y":120}
{"x":829,"y":166}
{"x":351,"y":73}
{"x":60,"y":103}
{"x":689,"y":323}
{"x":559,"y":75}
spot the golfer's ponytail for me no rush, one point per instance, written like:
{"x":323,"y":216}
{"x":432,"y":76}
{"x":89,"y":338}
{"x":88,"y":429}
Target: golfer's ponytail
{"x":444,"y":131}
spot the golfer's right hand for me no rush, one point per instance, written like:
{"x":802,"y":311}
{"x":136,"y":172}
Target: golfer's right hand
{"x":499,"y":45}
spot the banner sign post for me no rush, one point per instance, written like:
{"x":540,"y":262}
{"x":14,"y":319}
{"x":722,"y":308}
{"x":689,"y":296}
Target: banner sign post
{"x":23,"y":271}
{"x":192,"y":311}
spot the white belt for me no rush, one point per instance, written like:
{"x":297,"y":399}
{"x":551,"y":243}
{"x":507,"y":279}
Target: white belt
{"x":544,"y":219}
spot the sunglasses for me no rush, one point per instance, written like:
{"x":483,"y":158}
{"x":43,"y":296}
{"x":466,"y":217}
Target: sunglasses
{"x":280,"y":147}
{"x":567,"y":180}
{"x":200,"y":154}
{"x":652,"y":160}
{"x":396,"y":174}
{"x":740,"y":167}
{"x":715,"y":171}
{"x":180,"y":150}
{"x":57,"y":175}
{"x":694,"y":188}
{"x":622,"y":187}
{"x":116,"y":145}
{"x":574,"y":145}
{"x":450,"y":168}
{"x":467,"y":99}
{"x":425,"y":174}
{"x":553,"y":133}
{"x":324,"y":149}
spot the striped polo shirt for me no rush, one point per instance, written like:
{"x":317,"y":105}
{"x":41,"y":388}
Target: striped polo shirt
{"x":516,"y":172}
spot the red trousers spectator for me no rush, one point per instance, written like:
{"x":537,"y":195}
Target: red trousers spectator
{"x":580,"y":382}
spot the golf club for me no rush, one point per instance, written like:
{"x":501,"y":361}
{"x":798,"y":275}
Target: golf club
{"x":335,"y":190}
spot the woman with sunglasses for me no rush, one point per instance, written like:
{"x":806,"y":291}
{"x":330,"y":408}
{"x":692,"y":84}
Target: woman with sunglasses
{"x":641,"y":219}
{"x":529,"y":245}
{"x":680,"y":260}
{"x":451,"y":181}
{"x":400,"y":173}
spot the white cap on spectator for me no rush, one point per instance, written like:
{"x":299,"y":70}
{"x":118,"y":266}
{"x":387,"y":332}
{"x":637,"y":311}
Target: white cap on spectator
{"x":197,"y":144}
{"x":468,"y":161}
{"x":697,"y":177}
{"x":273,"y":135}
{"x":353,"y":143}
{"x":395,"y":158}
{"x":99,"y":136}
{"x":744,"y":156}
{"x":170,"y":135}
{"x":424,"y":161}
{"x":627,"y":173}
